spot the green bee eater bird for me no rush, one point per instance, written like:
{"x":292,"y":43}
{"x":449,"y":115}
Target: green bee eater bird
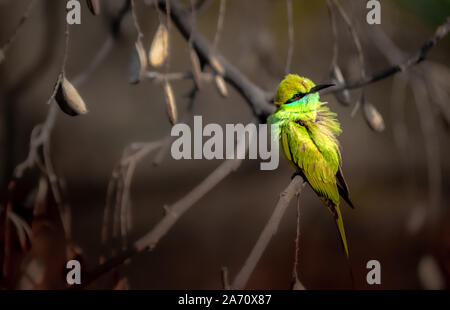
{"x":308,"y":131}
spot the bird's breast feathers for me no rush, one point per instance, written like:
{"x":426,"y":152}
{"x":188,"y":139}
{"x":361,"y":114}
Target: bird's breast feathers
{"x":309,"y":136}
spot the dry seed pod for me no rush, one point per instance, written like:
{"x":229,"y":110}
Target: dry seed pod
{"x":196,"y":69}
{"x":94,"y":6}
{"x":138,"y":63}
{"x":343,"y":96}
{"x":221,"y":86}
{"x":373,"y":117}
{"x":216,"y":65}
{"x":170,"y":103}
{"x":69,"y":100}
{"x":160,"y":46}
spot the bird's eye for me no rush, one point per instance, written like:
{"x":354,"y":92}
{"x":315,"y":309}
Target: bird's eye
{"x":296,"y":97}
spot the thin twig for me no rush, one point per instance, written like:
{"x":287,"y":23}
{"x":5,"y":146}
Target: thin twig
{"x":359,"y":50}
{"x":334,"y":59}
{"x":201,"y":6}
{"x":136,"y":21}
{"x":169,"y":26}
{"x":42,"y":131}
{"x":431,"y":142}
{"x":259,"y":100}
{"x":295,"y":280}
{"x":419,"y":80}
{"x":121,"y":177}
{"x":225,"y":281}
{"x":220,"y":21}
{"x":290,"y":19}
{"x":12,"y":38}
{"x":269,"y":230}
{"x":173,"y":213}
{"x":354,"y":35}
{"x":158,"y":77}
{"x":413,"y":59}
{"x":255,"y":96}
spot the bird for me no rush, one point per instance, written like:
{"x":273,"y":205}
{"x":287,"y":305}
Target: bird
{"x":307,"y":131}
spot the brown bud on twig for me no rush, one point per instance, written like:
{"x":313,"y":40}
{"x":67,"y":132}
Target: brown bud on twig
{"x":69,"y":100}
{"x":373,"y":117}
{"x":138,"y":63}
{"x":196,"y":69}
{"x":159,"y":49}
{"x":170,"y":103}
{"x":221,"y":85}
{"x":94,"y":6}
{"x":337,"y":77}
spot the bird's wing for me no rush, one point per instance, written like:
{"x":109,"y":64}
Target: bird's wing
{"x":341,"y":179}
{"x":301,"y":150}
{"x":343,"y":187}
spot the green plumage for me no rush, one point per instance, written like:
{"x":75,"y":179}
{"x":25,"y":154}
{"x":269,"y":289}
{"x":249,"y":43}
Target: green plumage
{"x":308,"y":132}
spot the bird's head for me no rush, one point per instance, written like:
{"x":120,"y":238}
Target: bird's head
{"x":294,"y":89}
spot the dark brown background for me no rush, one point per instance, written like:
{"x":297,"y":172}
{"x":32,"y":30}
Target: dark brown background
{"x":221,"y":229}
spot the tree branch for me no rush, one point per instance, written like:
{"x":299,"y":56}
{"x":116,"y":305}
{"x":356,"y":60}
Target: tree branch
{"x":254,"y":96}
{"x":413,"y":59}
{"x":269,"y":230}
{"x":258,"y":99}
{"x":173,"y":213}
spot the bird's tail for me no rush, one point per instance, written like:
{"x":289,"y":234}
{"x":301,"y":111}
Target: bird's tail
{"x":335,"y":210}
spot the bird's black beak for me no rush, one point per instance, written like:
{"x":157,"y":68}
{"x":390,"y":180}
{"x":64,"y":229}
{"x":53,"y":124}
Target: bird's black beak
{"x":316,"y":88}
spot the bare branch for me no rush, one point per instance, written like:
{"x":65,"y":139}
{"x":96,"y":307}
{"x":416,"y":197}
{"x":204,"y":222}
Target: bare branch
{"x":354,"y":34}
{"x":220,"y":20}
{"x":296,"y":284}
{"x":41,"y":132}
{"x":136,"y":21}
{"x":259,"y":100}
{"x":12,"y":38}
{"x":420,"y":80}
{"x":201,"y":6}
{"x":269,"y":230}
{"x":173,"y":213}
{"x":359,"y":50}
{"x":334,"y":59}
{"x":431,"y":142}
{"x":413,"y":59}
{"x":255,"y":96}
{"x":290,"y":19}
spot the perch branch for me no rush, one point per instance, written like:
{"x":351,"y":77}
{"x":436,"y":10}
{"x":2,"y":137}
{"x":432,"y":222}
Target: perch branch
{"x":269,"y":230}
{"x":296,"y":284}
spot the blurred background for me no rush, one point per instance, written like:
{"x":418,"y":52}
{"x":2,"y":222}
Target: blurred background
{"x":389,"y":177}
